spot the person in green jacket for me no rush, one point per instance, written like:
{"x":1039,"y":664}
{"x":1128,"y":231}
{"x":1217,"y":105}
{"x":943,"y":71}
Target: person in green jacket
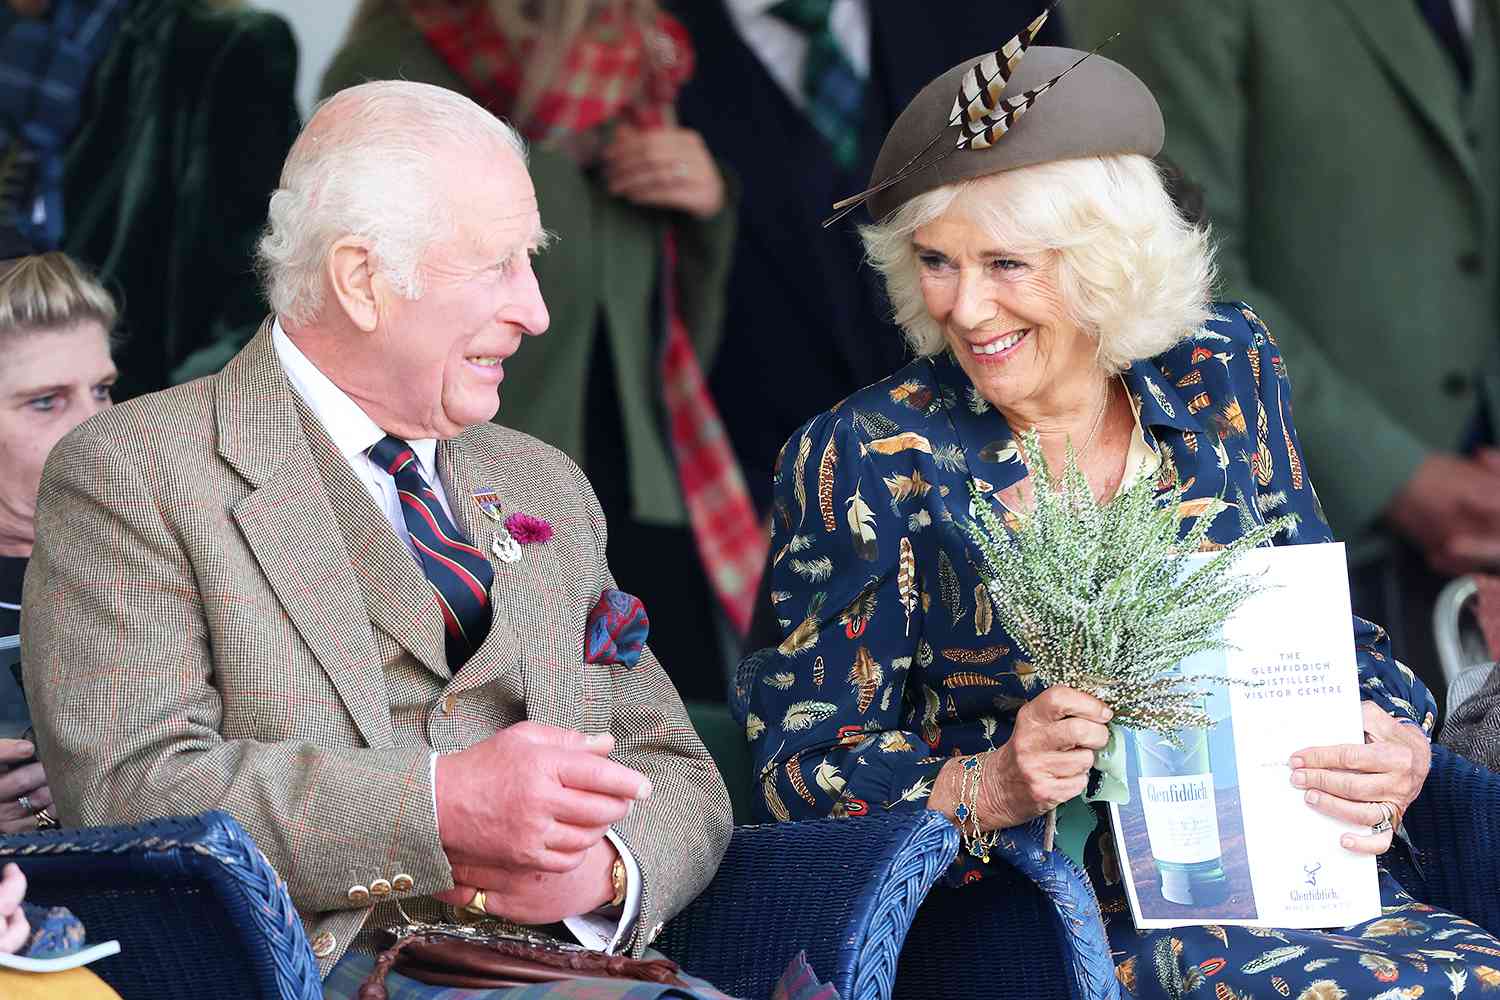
{"x":150,"y":158}
{"x":611,"y":192}
{"x":1349,"y":153}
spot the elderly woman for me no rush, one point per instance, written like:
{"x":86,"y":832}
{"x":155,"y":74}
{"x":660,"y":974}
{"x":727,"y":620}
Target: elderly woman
{"x":55,"y":373}
{"x":1045,"y":283}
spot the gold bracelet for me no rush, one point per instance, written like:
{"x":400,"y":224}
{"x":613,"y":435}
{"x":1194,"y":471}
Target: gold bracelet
{"x":976,"y":841}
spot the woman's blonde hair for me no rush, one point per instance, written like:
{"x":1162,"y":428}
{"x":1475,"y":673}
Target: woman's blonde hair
{"x":50,"y":291}
{"x":1132,"y":272}
{"x":555,"y":24}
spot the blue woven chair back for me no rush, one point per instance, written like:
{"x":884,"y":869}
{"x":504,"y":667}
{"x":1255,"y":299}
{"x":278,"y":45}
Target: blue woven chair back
{"x":197,"y":911}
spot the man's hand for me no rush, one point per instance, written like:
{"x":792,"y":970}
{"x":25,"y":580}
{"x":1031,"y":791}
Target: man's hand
{"x":534,"y":897}
{"x":14,"y":930}
{"x":1359,"y":783}
{"x":17,"y":779}
{"x":532,"y":798}
{"x":1450,"y":509}
{"x":664,"y":168}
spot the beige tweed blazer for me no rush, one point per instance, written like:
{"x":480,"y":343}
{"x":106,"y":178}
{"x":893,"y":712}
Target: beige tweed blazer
{"x":217,"y":616}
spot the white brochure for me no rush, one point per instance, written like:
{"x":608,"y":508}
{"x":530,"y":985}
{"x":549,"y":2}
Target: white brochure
{"x":1215,"y":832}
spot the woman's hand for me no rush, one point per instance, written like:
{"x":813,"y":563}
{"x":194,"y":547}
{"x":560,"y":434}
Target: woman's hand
{"x":664,"y":168}
{"x":1359,"y":783}
{"x":18,"y":779}
{"x":1045,"y":762}
{"x":14,"y":930}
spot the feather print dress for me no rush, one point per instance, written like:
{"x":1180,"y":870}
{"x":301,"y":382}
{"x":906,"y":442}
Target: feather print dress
{"x":892,"y":661}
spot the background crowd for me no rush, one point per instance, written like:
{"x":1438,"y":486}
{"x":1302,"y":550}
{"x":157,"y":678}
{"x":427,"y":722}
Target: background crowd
{"x":1345,"y":155}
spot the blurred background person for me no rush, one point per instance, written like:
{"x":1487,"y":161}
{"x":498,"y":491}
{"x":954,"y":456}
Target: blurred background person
{"x":55,"y":373}
{"x":795,"y":96}
{"x":144,"y":138}
{"x":644,"y":223}
{"x":1350,"y":160}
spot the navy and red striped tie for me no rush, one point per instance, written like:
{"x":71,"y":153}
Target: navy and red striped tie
{"x":460,"y":573}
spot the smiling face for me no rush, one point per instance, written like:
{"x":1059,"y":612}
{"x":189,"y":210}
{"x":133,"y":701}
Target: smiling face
{"x":1003,"y":317}
{"x":433,"y":365}
{"x":50,"y":382}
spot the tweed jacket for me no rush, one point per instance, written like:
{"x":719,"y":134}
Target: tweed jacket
{"x":219,"y":617}
{"x":1354,"y":191}
{"x":893,"y":658}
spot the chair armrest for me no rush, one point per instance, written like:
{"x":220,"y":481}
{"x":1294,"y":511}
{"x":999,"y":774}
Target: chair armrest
{"x":843,"y":890}
{"x":198,"y":911}
{"x":1454,"y":828}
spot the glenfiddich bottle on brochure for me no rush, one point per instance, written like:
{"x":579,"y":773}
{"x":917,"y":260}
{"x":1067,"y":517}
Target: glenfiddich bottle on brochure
{"x":1177,"y":796}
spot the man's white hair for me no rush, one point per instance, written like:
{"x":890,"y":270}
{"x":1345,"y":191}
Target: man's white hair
{"x":369,"y":170}
{"x":1131,"y":271}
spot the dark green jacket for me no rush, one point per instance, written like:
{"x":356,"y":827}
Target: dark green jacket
{"x":603,"y":267}
{"x":1354,"y":193}
{"x":185,"y":124}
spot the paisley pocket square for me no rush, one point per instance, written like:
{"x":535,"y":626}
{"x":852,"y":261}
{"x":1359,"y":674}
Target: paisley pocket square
{"x":617,"y":629}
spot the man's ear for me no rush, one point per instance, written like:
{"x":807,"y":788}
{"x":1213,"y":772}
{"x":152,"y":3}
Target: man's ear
{"x":351,"y":275}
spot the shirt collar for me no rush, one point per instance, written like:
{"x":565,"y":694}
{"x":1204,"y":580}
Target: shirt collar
{"x":350,"y":428}
{"x":1158,"y":402}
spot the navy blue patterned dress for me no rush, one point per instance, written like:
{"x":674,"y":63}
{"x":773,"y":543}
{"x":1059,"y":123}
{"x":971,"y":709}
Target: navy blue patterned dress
{"x":892,"y":660}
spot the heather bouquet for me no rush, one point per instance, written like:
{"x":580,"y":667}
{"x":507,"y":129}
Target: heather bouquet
{"x":1108,"y":599}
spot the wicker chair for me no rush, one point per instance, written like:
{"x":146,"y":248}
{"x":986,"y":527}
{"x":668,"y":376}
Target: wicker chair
{"x":199,"y":914}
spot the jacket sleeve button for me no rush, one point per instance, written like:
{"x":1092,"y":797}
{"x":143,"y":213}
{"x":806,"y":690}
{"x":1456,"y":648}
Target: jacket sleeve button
{"x":403,"y":883}
{"x":323,"y":944}
{"x":359,"y":895}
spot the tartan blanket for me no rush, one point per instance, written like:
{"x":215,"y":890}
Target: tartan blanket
{"x":797,"y":983}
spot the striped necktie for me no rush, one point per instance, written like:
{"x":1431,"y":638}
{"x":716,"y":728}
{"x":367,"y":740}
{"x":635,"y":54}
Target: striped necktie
{"x":460,"y":574}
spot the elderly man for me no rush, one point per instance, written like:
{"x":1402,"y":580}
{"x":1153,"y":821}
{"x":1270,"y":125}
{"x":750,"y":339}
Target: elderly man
{"x":321,"y":591}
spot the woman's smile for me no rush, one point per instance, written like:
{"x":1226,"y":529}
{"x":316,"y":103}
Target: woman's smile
{"x":998,"y":349}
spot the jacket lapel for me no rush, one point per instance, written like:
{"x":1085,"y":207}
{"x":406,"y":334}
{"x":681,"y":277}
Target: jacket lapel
{"x":397,"y":594}
{"x":1413,"y":58}
{"x":286,"y":523}
{"x":465,"y":471}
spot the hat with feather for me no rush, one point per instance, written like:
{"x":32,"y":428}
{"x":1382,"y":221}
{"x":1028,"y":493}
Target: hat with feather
{"x":1018,"y":106}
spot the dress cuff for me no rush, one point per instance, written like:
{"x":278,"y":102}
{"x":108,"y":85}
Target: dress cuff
{"x":607,"y":927}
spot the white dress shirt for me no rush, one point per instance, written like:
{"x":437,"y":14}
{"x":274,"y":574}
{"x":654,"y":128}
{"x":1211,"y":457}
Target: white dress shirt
{"x":782,"y":48}
{"x":1463,"y":13}
{"x":353,"y":433}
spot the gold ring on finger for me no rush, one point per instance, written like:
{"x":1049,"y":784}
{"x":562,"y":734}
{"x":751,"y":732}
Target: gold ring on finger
{"x":1387,"y":815}
{"x":475,"y":906}
{"x":45,"y":820}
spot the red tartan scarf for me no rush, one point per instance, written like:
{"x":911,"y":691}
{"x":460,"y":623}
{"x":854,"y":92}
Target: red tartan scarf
{"x":615,"y":70}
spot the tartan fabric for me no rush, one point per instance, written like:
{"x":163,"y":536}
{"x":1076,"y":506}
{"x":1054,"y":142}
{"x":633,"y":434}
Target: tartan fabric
{"x":45,"y":65}
{"x":460,"y":574}
{"x":617,"y":71}
{"x":835,"y":91}
{"x":343,"y":984}
{"x":218,"y":616}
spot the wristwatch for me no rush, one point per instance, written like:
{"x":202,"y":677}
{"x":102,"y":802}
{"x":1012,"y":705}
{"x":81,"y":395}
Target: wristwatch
{"x":618,"y":880}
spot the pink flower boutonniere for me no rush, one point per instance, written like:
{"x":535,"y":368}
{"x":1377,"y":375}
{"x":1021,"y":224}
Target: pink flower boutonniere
{"x":528,"y":530}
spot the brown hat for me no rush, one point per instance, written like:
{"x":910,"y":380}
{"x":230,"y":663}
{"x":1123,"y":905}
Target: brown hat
{"x":1097,"y":109}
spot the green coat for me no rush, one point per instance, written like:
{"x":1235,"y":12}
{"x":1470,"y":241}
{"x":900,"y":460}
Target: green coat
{"x":185,"y":123}
{"x":603,"y":266}
{"x":1354,"y":193}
